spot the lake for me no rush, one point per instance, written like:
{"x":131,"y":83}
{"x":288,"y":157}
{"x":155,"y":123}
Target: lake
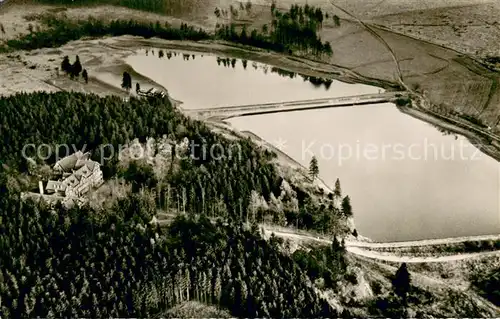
{"x":406,"y":179}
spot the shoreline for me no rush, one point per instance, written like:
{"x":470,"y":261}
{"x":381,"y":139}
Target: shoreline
{"x":114,"y":51}
{"x":299,"y":65}
{"x":285,"y":160}
{"x":122,"y":47}
{"x":474,"y":138}
{"x":317,"y":68}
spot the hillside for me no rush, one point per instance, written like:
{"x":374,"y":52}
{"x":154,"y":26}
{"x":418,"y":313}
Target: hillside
{"x":460,"y":90}
{"x":471,"y":28}
{"x":163,"y":266}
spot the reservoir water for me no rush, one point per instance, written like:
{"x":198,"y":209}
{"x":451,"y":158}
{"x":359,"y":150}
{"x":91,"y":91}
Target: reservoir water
{"x":406,"y":179}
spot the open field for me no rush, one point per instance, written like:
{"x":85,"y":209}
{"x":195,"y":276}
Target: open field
{"x":468,"y":26}
{"x":451,"y":81}
{"x":472,"y":28}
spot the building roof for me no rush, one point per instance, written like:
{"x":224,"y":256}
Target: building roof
{"x":86,"y":169}
{"x":55,"y":186}
{"x":91,"y":165}
{"x":85,"y":161}
{"x":68,"y":163}
{"x":75,"y":169}
{"x":73,"y":179}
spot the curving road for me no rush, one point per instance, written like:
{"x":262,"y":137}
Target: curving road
{"x":425,"y":242}
{"x":406,"y":259}
{"x":356,"y":248}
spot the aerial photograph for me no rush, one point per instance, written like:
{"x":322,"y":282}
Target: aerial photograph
{"x":250,"y":159}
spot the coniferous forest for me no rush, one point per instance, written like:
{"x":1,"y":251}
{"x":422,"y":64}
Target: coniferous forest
{"x":60,"y":30}
{"x":244,"y":181}
{"x":88,"y":262}
{"x":292,"y":31}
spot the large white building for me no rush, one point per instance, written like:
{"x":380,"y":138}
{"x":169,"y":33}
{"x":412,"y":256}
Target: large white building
{"x":78,"y":175}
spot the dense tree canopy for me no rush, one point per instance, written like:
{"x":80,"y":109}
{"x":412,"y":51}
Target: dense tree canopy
{"x":60,"y":30}
{"x":295,"y":30}
{"x":200,"y":182}
{"x":87,"y":263}
{"x":326,"y":263}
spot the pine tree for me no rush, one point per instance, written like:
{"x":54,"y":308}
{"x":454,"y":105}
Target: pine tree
{"x":401,"y":282}
{"x":65,"y":65}
{"x":264,"y":29}
{"x":337,"y":191}
{"x":76,"y":68}
{"x":126,"y":81}
{"x":313,"y":168}
{"x":346,"y":206}
{"x":243,"y":34}
{"x":336,"y":20}
{"x":85,"y":76}
{"x":253,"y":206}
{"x":279,"y":218}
